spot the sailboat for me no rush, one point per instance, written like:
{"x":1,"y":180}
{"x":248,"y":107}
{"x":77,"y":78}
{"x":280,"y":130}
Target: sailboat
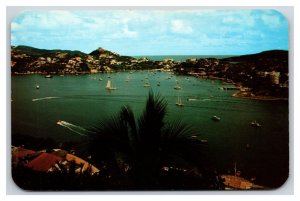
{"x":179,"y":103}
{"x":109,"y":86}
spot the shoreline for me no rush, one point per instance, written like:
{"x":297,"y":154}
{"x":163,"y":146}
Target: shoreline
{"x":262,"y":98}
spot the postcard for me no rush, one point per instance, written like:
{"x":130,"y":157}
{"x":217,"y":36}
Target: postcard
{"x":149,"y":99}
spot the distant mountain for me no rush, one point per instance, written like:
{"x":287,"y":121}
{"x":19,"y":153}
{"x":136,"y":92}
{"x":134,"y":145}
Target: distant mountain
{"x":22,"y":49}
{"x":266,"y":55}
{"x":103,"y":53}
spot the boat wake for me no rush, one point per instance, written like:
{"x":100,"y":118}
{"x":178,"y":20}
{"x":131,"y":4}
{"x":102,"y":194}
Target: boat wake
{"x":76,"y":129}
{"x":45,"y":98}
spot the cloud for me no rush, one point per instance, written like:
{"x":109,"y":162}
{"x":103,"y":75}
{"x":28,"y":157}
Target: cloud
{"x":181,"y":27}
{"x":129,"y":34}
{"x":272,"y":21}
{"x":15,"y":26}
{"x":244,"y":18}
{"x":121,"y":29}
{"x":48,"y":20}
{"x":122,"y":34}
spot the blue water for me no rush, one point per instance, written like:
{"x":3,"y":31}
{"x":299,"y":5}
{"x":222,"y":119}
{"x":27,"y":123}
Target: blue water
{"x":82,"y":101}
{"x":182,"y":57}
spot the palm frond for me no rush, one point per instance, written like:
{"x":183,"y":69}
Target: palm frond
{"x":181,"y":139}
{"x":127,"y":116}
{"x":148,"y":143}
{"x":109,"y":134}
{"x":152,"y":120}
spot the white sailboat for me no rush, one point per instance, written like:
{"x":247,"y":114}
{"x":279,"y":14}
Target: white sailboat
{"x":109,"y":86}
{"x":179,"y":103}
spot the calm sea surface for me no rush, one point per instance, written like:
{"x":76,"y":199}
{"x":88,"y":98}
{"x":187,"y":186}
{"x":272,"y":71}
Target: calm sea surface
{"x":81,"y":101}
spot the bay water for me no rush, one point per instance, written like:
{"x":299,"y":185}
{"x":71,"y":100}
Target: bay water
{"x":82,"y":101}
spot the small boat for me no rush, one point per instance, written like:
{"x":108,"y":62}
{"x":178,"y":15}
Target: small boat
{"x":191,"y":99}
{"x":255,"y":124}
{"x":216,"y":118}
{"x":146,"y":84}
{"x":48,"y":76}
{"x":109,"y":86}
{"x":37,"y":87}
{"x":179,"y":103}
{"x":100,"y":79}
{"x":177,"y":87}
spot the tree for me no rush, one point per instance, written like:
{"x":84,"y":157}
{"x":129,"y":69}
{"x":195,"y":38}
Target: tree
{"x":148,"y":150}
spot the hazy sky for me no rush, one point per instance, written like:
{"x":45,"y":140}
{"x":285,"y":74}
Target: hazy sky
{"x":153,"y":32}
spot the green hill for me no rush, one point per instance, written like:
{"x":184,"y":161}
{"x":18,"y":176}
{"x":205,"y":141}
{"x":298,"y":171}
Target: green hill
{"x":266,"y":55}
{"x":43,"y":52}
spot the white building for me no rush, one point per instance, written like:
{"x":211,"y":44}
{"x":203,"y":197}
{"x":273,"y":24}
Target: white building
{"x":275,"y":77}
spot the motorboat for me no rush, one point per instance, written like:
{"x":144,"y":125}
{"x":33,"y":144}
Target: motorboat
{"x":216,"y":118}
{"x":177,"y":87}
{"x":48,"y":76}
{"x":255,"y":124}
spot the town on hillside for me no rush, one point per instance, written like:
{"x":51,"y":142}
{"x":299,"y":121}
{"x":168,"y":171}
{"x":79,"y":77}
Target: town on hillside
{"x":258,"y":75}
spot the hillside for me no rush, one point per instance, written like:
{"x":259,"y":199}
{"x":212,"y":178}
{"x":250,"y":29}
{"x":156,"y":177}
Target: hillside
{"x":43,"y":52}
{"x":26,"y":60}
{"x":266,"y":55}
{"x":273,"y":60}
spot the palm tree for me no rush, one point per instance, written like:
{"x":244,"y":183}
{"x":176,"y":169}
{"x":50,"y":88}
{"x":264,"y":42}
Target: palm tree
{"x":147,"y":149}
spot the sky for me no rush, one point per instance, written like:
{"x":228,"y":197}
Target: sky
{"x":153,"y":32}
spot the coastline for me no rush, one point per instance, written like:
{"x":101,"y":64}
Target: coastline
{"x":251,"y":96}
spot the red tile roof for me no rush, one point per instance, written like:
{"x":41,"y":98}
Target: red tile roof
{"x":44,"y":162}
{"x":21,"y":152}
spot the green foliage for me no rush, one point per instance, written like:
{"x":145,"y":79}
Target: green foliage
{"x":43,"y":52}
